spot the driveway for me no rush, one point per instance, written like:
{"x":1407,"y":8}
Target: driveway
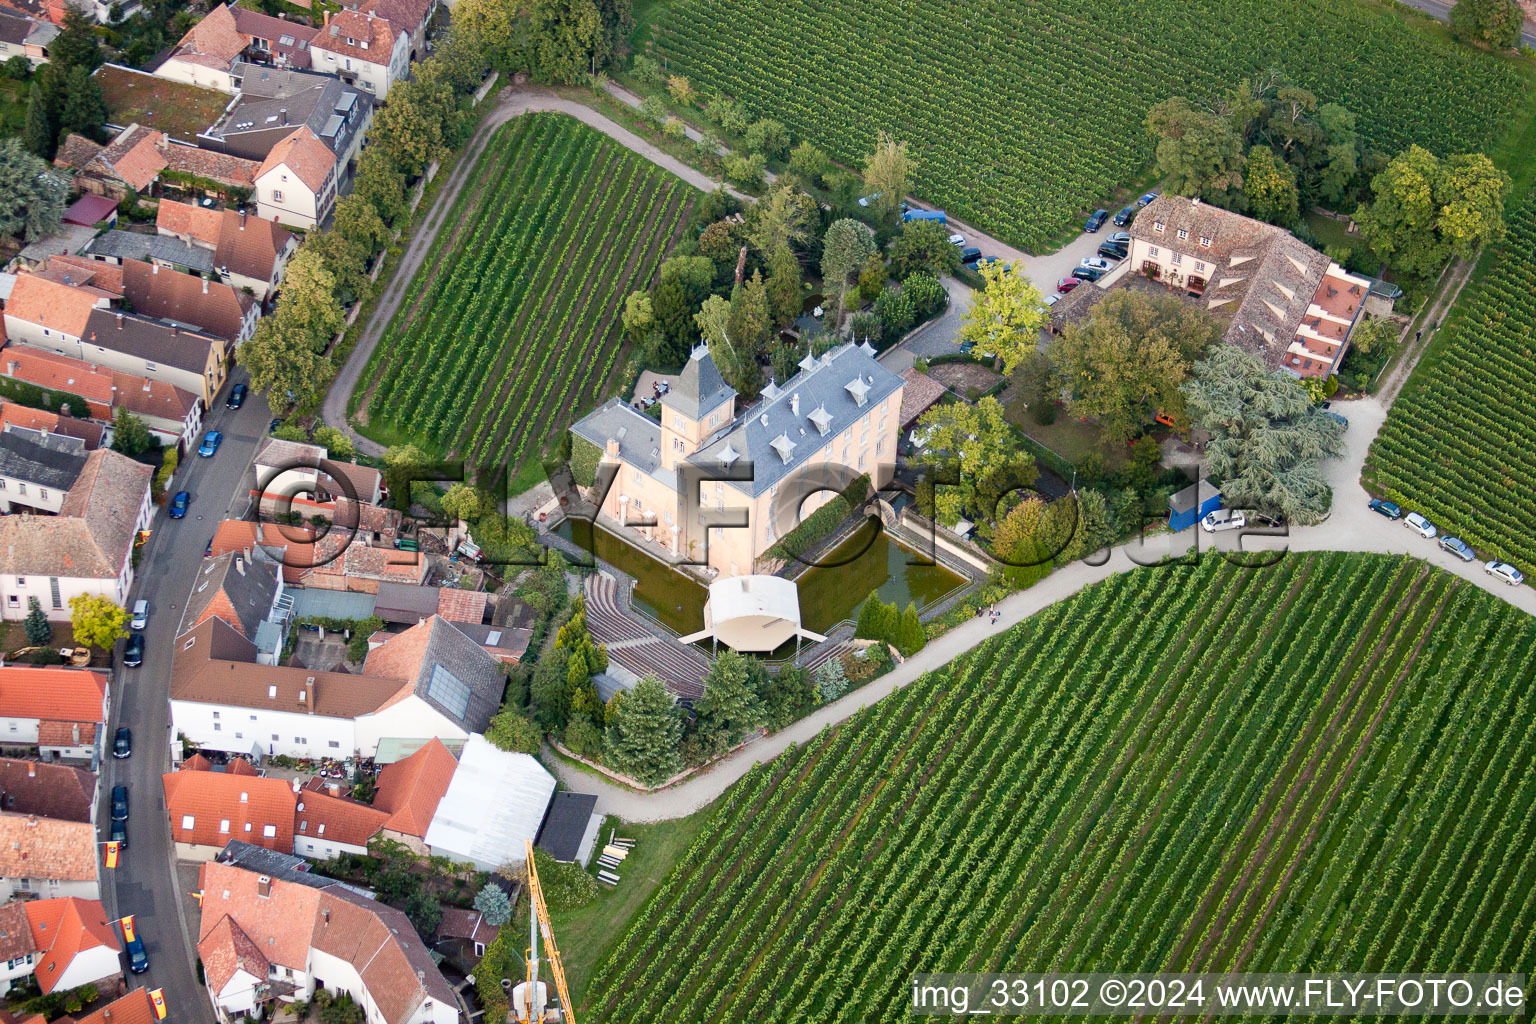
{"x":144,"y":883}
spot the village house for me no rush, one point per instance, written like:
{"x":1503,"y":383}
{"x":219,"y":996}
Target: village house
{"x":211,"y":307}
{"x":298,"y":181}
{"x":429,"y":681}
{"x":171,"y":414}
{"x":328,"y":822}
{"x":363,"y":48}
{"x":248,"y":252}
{"x":24,"y":36}
{"x":86,"y":547}
{"x":409,"y":791}
{"x":59,"y":791}
{"x":43,"y":421}
{"x":81,"y":323}
{"x":274,"y":102}
{"x":47,"y":858}
{"x":37,"y":470}
{"x":1282,"y":300}
{"x":137,"y":157}
{"x":207,"y":808}
{"x":248,"y":596}
{"x":76,"y":945}
{"x":208,"y":54}
{"x":55,"y":713}
{"x":834,"y":420}
{"x":262,"y":938}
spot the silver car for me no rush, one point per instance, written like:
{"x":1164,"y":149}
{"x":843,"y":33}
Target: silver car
{"x":1419,"y":525}
{"x":1506,"y":572}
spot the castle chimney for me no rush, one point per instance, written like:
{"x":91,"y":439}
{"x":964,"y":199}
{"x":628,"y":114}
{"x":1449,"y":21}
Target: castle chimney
{"x":283,"y":112}
{"x":205,"y":285}
{"x":613,"y":447}
{"x":119,"y":321}
{"x":794,"y":403}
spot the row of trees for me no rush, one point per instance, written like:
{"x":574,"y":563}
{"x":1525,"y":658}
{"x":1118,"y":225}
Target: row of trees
{"x":427,"y":118}
{"x":901,"y":629}
{"x":64,"y":97}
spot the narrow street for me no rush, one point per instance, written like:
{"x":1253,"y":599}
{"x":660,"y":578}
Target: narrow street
{"x":144,"y":883}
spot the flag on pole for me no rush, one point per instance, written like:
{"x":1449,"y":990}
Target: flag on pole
{"x":112,"y":849}
{"x":157,"y":1000}
{"x":127,"y":923}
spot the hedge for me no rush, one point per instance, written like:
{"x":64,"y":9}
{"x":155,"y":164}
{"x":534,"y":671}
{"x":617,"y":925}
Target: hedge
{"x":584,"y":459}
{"x":823,"y":521}
{"x":22,"y":393}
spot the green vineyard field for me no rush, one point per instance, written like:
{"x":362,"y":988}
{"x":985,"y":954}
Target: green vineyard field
{"x":1329,"y":764}
{"x":1023,"y":115}
{"x":514,"y":325}
{"x":1460,"y":442}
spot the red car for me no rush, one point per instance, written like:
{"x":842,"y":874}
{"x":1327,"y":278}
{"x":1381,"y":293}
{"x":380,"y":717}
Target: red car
{"x":1066,"y":284}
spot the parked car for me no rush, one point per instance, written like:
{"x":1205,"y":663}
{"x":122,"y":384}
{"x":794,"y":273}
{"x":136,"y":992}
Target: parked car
{"x":277,"y":421}
{"x":864,"y":201}
{"x":119,"y":803}
{"x":957,"y":240}
{"x":1146,"y":198}
{"x":970,"y":255}
{"x":211,"y":442}
{"x":1095,"y":263}
{"x":1066,"y":284}
{"x":1111,"y":251}
{"x":133,"y":945}
{"x":122,"y":742}
{"x":1224,"y":519}
{"x":1506,"y":572}
{"x":237,"y":396}
{"x":1125,"y":216}
{"x":1337,"y":418}
{"x":1120,"y":238}
{"x":1419,"y":525}
{"x":1087,"y":273}
{"x":966,"y":346}
{"x":119,"y":834}
{"x":1458,"y":547}
{"x":140,"y":614}
{"x":179,"y":504}
{"x":1386,"y":508}
{"x":133,"y":654}
{"x":1096,"y":220}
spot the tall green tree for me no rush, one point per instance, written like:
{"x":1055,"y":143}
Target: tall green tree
{"x":573,"y":39}
{"x":887,"y":174}
{"x":1267,"y":437}
{"x":1427,"y":209}
{"x":97,"y":621}
{"x":1492,"y":23}
{"x":282,"y":361}
{"x":643,"y":734}
{"x":1199,"y":152}
{"x":1125,"y":362}
{"x":923,"y":245}
{"x":31,"y":194}
{"x":768,"y":137}
{"x":84,"y":110}
{"x":77,"y":45}
{"x":38,"y":629}
{"x":493,"y":904}
{"x":750,"y":325}
{"x":845,"y":250}
{"x":1006,"y":317}
{"x":731,"y":706}
{"x":984,"y":449}
{"x":1269,"y":186}
{"x":782,"y":220}
{"x":789,"y":694}
{"x":130,"y":435}
{"x":40,"y":132}
{"x":784,"y":288}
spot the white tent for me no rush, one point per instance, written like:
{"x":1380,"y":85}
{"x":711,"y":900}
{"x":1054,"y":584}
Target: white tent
{"x":495,"y":801}
{"x":752,"y":613}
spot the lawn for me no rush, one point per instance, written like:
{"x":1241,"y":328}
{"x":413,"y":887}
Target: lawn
{"x":175,"y":108}
{"x":1023,"y":116}
{"x":1069,"y":437}
{"x":587,"y":933}
{"x":513,"y":326}
{"x":1323,"y":765}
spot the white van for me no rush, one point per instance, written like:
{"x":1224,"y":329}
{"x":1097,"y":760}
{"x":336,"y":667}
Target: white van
{"x":140,"y":614}
{"x":1224,"y":519}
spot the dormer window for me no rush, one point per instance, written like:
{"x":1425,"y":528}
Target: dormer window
{"x":1158,"y":226}
{"x":729,"y":455}
{"x":1183,"y":234}
{"x":859,"y":390}
{"x":784,"y":446}
{"x":821,"y":419}
{"x":1205,"y":240}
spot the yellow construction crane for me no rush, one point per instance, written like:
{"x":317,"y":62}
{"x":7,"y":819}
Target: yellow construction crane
{"x":526,"y":1004}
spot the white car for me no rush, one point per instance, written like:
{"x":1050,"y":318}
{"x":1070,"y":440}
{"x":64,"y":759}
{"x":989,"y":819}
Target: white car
{"x":1224,"y":519}
{"x":1419,"y":525}
{"x":1094,"y":263}
{"x":864,"y":201}
{"x":1506,"y":572}
{"x":140,"y":614}
{"x":957,"y":239}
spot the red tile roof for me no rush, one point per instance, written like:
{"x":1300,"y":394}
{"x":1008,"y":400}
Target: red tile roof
{"x":210,"y":306}
{"x":220,"y":167}
{"x":62,"y":929}
{"x":33,"y":847}
{"x":295,"y":555}
{"x":251,"y":806}
{"x":226,"y":950}
{"x":349,"y":30}
{"x":51,"y":371}
{"x":134,"y":156}
{"x":309,"y":159}
{"x":461,"y":605}
{"x":15,"y":934}
{"x":215,"y":41}
{"x":133,"y":1008}
{"x":247,"y":245}
{"x":51,"y":694}
{"x":90,"y":210}
{"x":58,"y":791}
{"x":40,"y":419}
{"x":327,"y":813}
{"x":411,"y":788}
{"x":58,"y":307}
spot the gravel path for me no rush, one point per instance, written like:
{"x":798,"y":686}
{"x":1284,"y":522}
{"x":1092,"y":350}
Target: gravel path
{"x":397,"y":290}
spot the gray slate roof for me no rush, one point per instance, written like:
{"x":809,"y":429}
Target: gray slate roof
{"x":274,"y":101}
{"x":638,"y":435}
{"x":130,"y":245}
{"x":47,"y":460}
{"x":250,"y":586}
{"x":150,"y":340}
{"x":821,"y":384}
{"x":565,"y":824}
{"x":699,"y":389}
{"x":405,"y":602}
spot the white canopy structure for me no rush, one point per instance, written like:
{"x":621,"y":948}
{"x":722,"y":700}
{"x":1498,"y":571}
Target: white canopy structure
{"x":752,"y":613}
{"x":495,"y":801}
